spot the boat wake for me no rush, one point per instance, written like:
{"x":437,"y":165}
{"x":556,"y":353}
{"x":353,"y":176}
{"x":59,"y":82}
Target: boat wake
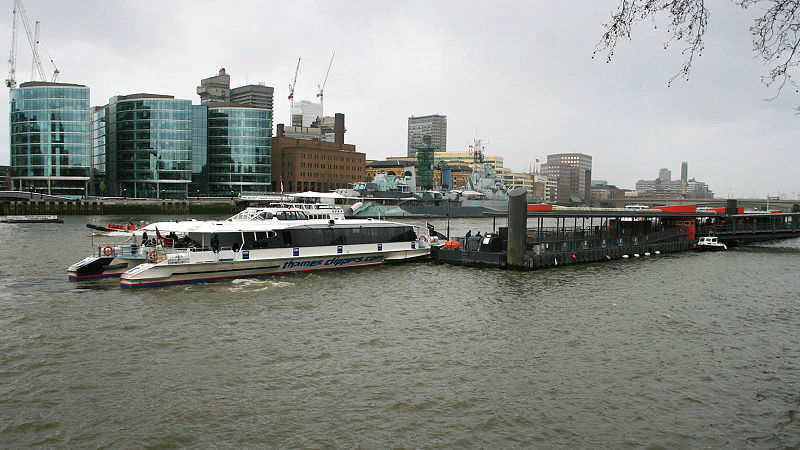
{"x":257,"y":285}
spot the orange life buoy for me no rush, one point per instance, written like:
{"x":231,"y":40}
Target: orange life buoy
{"x":152,"y":255}
{"x":108,"y":250}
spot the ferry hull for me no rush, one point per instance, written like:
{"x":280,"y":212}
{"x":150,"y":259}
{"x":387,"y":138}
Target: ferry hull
{"x":96,"y":267}
{"x":164,"y":273}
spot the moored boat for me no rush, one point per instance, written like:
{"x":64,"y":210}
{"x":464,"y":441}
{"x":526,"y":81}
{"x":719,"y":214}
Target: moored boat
{"x":287,"y":242}
{"x":112,"y":229}
{"x":32,"y":219}
{"x":710,"y":244}
{"x":111,"y":259}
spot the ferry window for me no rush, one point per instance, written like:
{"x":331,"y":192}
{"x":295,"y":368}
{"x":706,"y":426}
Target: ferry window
{"x":227,"y":240}
{"x":266,"y":240}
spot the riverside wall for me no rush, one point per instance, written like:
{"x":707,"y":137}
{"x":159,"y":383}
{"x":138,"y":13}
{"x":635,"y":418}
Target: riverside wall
{"x":117,"y":207}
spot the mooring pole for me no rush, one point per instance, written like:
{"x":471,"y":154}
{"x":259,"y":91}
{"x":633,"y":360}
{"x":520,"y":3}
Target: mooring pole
{"x":517,"y":220}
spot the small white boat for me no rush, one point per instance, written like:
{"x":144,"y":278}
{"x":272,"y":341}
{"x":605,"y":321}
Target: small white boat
{"x":710,"y":244}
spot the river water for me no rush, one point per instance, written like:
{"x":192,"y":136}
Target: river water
{"x":687,"y":350}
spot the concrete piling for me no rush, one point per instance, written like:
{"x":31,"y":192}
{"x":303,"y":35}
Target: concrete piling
{"x":517,"y":223}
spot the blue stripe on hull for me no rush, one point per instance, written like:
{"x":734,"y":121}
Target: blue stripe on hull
{"x":230,"y":277}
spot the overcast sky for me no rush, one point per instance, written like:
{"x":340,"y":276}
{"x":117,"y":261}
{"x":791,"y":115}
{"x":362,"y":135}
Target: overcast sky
{"x":517,"y":74}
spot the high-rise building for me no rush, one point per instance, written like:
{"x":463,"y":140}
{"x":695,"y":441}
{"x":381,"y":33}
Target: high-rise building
{"x":434,"y":125}
{"x":98,"y":172}
{"x":665,"y":174}
{"x":50,"y":128}
{"x":239,"y":150}
{"x":698,"y":189}
{"x":199,"y":185}
{"x":684,"y":171}
{"x":305,"y":112}
{"x":661,"y":188}
{"x":216,"y":89}
{"x":148,"y":146}
{"x":572,"y":177}
{"x":254,"y":95}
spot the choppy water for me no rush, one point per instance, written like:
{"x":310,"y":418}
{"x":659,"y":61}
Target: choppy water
{"x":685,"y":350}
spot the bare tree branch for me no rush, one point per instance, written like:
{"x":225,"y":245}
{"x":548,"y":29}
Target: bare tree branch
{"x":688,"y":24}
{"x":776,"y":39}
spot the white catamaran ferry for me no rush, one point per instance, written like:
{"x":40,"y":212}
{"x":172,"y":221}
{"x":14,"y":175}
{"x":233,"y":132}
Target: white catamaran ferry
{"x":255,"y":242}
{"x":133,"y":247}
{"x":220,"y":250}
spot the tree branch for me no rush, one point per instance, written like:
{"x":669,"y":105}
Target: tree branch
{"x":688,"y":24}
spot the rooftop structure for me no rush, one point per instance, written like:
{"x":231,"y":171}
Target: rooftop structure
{"x":254,"y":95}
{"x":215,"y":89}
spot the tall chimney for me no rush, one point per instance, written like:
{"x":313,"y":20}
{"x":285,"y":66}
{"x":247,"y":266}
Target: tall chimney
{"x":338,"y":128}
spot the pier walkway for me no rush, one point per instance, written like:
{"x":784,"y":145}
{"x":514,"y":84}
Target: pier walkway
{"x":575,"y":235}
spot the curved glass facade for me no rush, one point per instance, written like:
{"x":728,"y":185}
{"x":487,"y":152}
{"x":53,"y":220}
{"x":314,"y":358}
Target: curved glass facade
{"x":149,"y":142}
{"x":239,"y":151}
{"x":50,"y":138}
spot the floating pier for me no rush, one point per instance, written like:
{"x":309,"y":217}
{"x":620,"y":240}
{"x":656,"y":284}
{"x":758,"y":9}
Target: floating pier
{"x":566,"y":236}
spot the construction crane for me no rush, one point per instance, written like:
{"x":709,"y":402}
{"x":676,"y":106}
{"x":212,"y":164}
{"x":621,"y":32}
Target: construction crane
{"x":33,"y":40}
{"x":322,"y":86}
{"x":292,"y":86}
{"x":11,"y":81}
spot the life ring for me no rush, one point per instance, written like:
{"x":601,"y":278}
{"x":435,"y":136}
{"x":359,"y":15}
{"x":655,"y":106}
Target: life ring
{"x":108,"y":250}
{"x":152,"y":255}
{"x":423,"y":238}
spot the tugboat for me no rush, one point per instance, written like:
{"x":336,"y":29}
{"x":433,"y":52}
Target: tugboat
{"x":710,"y":244}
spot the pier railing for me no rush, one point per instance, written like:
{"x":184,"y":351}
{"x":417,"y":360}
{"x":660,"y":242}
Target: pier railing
{"x":543,"y":240}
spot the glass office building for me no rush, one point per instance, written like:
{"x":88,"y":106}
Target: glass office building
{"x":50,"y":138}
{"x":98,"y":172}
{"x":199,"y":186}
{"x":148,"y":146}
{"x":239,"y":150}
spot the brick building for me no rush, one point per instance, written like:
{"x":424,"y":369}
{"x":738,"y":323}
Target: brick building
{"x":314,"y":165}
